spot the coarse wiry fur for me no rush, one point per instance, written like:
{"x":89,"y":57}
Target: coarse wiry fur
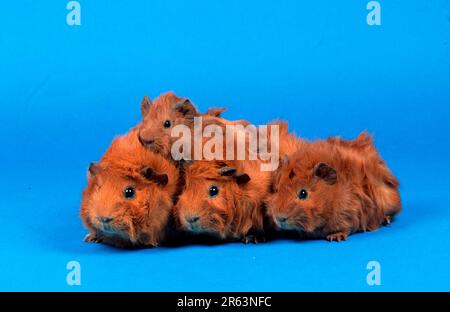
{"x":383,"y":185}
{"x":288,"y":142}
{"x":177,"y":110}
{"x":141,"y":220}
{"x":236,"y":212}
{"x":350,"y":189}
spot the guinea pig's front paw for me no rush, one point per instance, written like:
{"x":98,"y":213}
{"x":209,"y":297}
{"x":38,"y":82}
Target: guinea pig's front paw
{"x":255,"y":239}
{"x":92,"y":238}
{"x":337,"y":237}
{"x":387,"y":220}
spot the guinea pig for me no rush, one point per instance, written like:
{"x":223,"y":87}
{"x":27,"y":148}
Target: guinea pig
{"x":129,"y":197}
{"x":223,"y":199}
{"x":167,"y":111}
{"x":385,"y":194}
{"x":330,"y":189}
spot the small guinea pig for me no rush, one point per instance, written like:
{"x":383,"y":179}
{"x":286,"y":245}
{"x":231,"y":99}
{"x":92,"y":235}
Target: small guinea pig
{"x":129,"y":197}
{"x":330,"y":189}
{"x":167,"y":111}
{"x":223,"y":199}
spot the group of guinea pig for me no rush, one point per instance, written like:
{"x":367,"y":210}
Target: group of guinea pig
{"x":138,"y":195}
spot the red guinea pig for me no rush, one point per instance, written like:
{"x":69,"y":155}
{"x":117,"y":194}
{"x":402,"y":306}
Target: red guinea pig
{"x":167,"y":111}
{"x":226,"y":198}
{"x":330,"y":189}
{"x":223,"y":199}
{"x":129,"y":196}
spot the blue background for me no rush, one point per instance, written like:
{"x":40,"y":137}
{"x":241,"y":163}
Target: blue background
{"x":65,"y":92}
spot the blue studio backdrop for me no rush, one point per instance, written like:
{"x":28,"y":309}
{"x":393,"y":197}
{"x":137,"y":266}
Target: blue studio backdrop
{"x":66,"y":90}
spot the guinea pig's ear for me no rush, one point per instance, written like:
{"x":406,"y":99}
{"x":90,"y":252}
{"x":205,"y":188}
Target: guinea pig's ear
{"x":227,"y":171}
{"x":183,"y":163}
{"x":216,"y":111}
{"x":241,"y":178}
{"x":285,"y":162}
{"x":291,"y":174}
{"x":92,"y":170}
{"x":186,"y":108}
{"x":326,"y":172}
{"x":145,"y":105}
{"x":151,"y":175}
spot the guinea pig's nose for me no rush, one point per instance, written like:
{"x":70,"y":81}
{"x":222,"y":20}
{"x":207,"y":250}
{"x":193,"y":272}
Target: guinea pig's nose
{"x":146,"y":141}
{"x":104,"y":220}
{"x":192,"y":219}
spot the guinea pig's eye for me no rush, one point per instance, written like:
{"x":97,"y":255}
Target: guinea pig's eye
{"x":129,"y":192}
{"x":213,"y":191}
{"x":167,"y":124}
{"x":303,"y":194}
